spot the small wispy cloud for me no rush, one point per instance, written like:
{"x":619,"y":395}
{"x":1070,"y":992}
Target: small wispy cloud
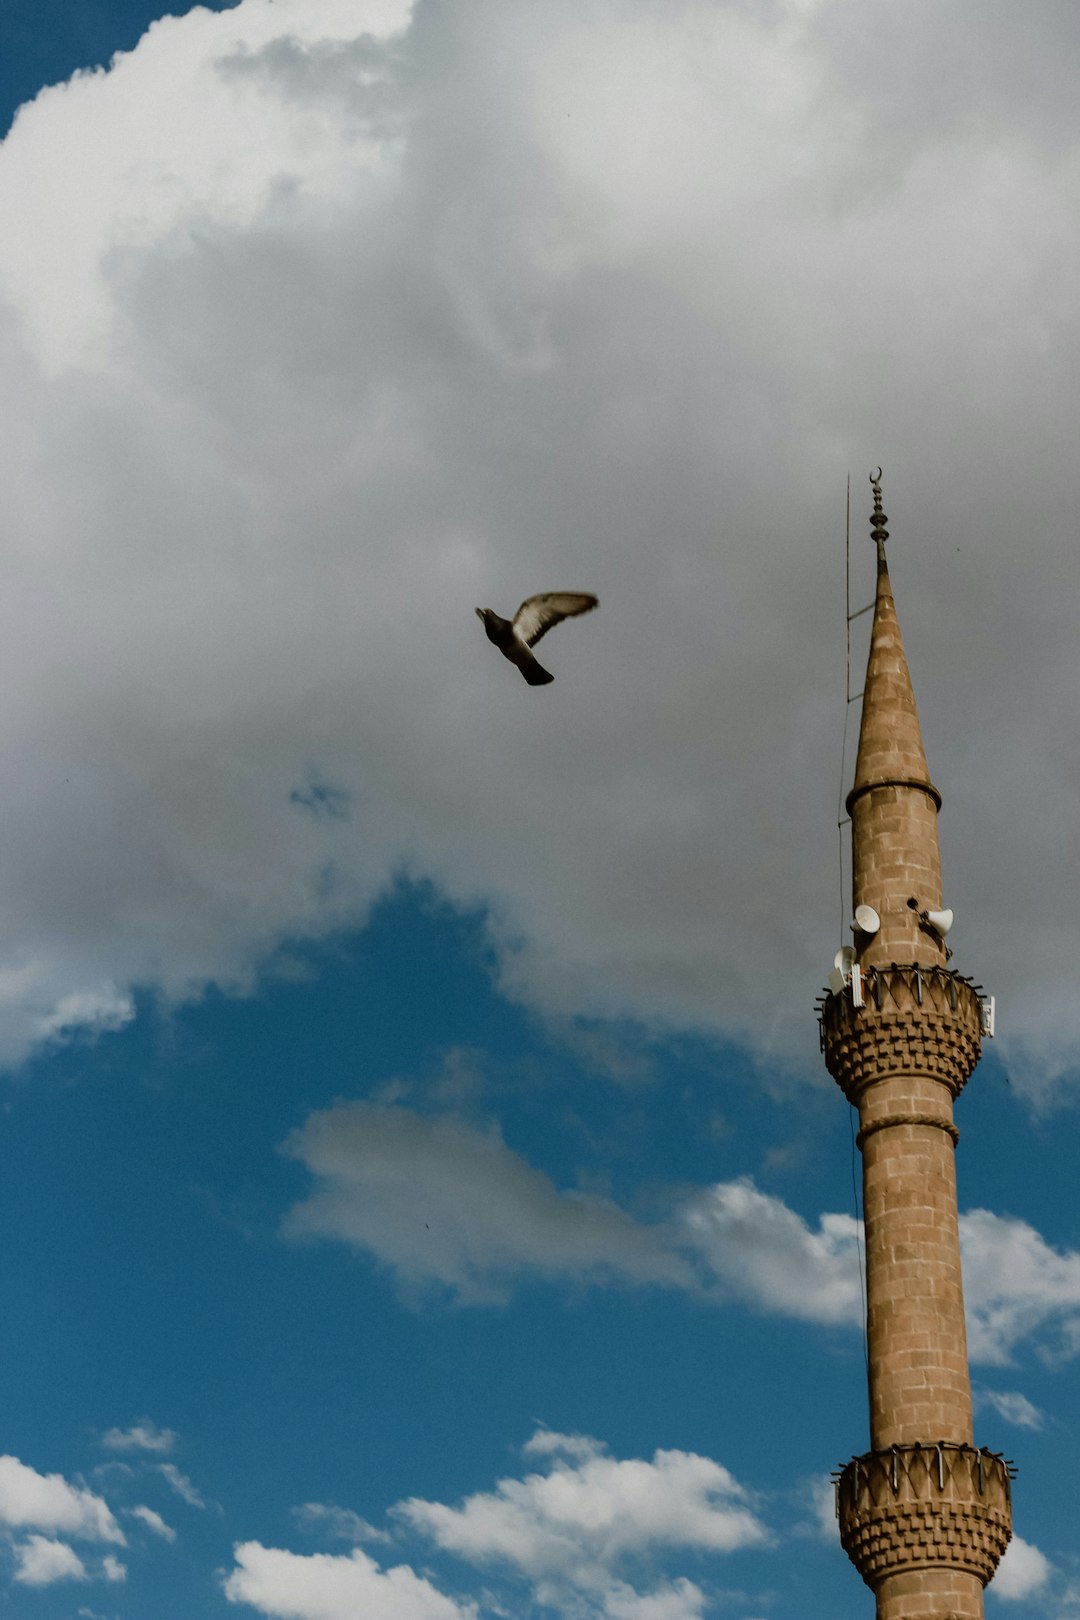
{"x":181,"y":1485}
{"x":817,"y":1496}
{"x":1010,"y":1405}
{"x":446,"y":1205}
{"x":547,"y":1442}
{"x":141,"y":1436}
{"x":153,"y":1521}
{"x":341,"y":1523}
{"x":89,"y":1012}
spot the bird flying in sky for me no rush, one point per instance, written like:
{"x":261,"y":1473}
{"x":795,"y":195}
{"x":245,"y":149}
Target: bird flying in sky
{"x":534,"y":618}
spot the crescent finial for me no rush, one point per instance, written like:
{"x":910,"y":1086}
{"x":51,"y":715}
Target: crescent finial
{"x":878,"y":519}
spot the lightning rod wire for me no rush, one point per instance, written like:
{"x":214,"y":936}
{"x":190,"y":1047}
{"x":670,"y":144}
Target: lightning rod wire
{"x":841,"y":822}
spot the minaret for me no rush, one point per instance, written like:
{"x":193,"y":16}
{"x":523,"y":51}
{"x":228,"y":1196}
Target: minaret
{"x":924,"y":1514}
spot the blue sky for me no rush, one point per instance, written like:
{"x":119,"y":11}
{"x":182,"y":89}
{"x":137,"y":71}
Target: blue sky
{"x":423,"y":1195}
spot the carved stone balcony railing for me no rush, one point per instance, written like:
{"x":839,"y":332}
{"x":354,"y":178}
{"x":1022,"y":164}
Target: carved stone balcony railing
{"x":913,"y":1020}
{"x":924,"y":1505}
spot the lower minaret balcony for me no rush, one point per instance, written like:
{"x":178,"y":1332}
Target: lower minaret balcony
{"x":908,"y":1019}
{"x":925,"y":1506}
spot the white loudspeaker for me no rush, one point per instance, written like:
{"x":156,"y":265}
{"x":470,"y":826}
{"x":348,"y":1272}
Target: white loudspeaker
{"x":867,"y":920}
{"x":940,"y":921}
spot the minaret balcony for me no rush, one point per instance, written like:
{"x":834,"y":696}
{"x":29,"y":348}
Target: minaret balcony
{"x":919,"y":1505}
{"x":904,"y":1019}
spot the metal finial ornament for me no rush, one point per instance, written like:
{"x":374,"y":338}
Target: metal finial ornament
{"x":878,"y":519}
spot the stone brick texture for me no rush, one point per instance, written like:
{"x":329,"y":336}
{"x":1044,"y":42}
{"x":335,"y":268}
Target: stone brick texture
{"x":896,"y":861}
{"x":930,"y":1594}
{"x":916,"y":1338}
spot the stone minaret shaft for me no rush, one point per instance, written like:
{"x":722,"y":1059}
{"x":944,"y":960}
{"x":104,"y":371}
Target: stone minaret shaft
{"x":924,"y":1515}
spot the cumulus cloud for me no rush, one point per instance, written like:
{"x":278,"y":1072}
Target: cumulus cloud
{"x":571,"y":1530}
{"x":47,"y":1502}
{"x":587,"y":1512}
{"x":224,"y":167}
{"x":1017,"y":1286}
{"x":41,"y":1561}
{"x":760,"y":1250}
{"x":401,"y":311}
{"x":681,"y":1600}
{"x":319,"y":1586}
{"x":1021,"y":1573}
{"x":578,"y":1534}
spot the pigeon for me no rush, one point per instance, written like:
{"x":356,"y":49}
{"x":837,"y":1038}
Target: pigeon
{"x":534,"y":618}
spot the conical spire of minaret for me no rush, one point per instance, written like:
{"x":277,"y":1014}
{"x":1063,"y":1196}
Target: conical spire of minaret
{"x":893,"y":803}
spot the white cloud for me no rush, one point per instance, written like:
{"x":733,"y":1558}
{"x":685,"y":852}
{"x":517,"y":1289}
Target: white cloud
{"x":181,"y":1485}
{"x":682,"y":1600}
{"x":40,"y":1561}
{"x":324,"y":1587}
{"x":48,"y":1502}
{"x":117,"y":201}
{"x":585,"y":1514}
{"x":440,"y":1201}
{"x":336,"y":1521}
{"x":1010,"y":1405}
{"x":544,"y":1442}
{"x":483,"y":1219}
{"x":393,"y":316}
{"x":1022,"y":1571}
{"x":764,"y":1252}
{"x":94,"y":1011}
{"x":573,"y":1531}
{"x":112,"y":1569}
{"x":141,"y":1436}
{"x":821,"y":1498}
{"x":1017,"y":1287}
{"x":153,"y":1521}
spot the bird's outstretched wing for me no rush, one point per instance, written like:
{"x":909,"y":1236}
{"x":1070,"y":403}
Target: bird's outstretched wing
{"x":537,"y":614}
